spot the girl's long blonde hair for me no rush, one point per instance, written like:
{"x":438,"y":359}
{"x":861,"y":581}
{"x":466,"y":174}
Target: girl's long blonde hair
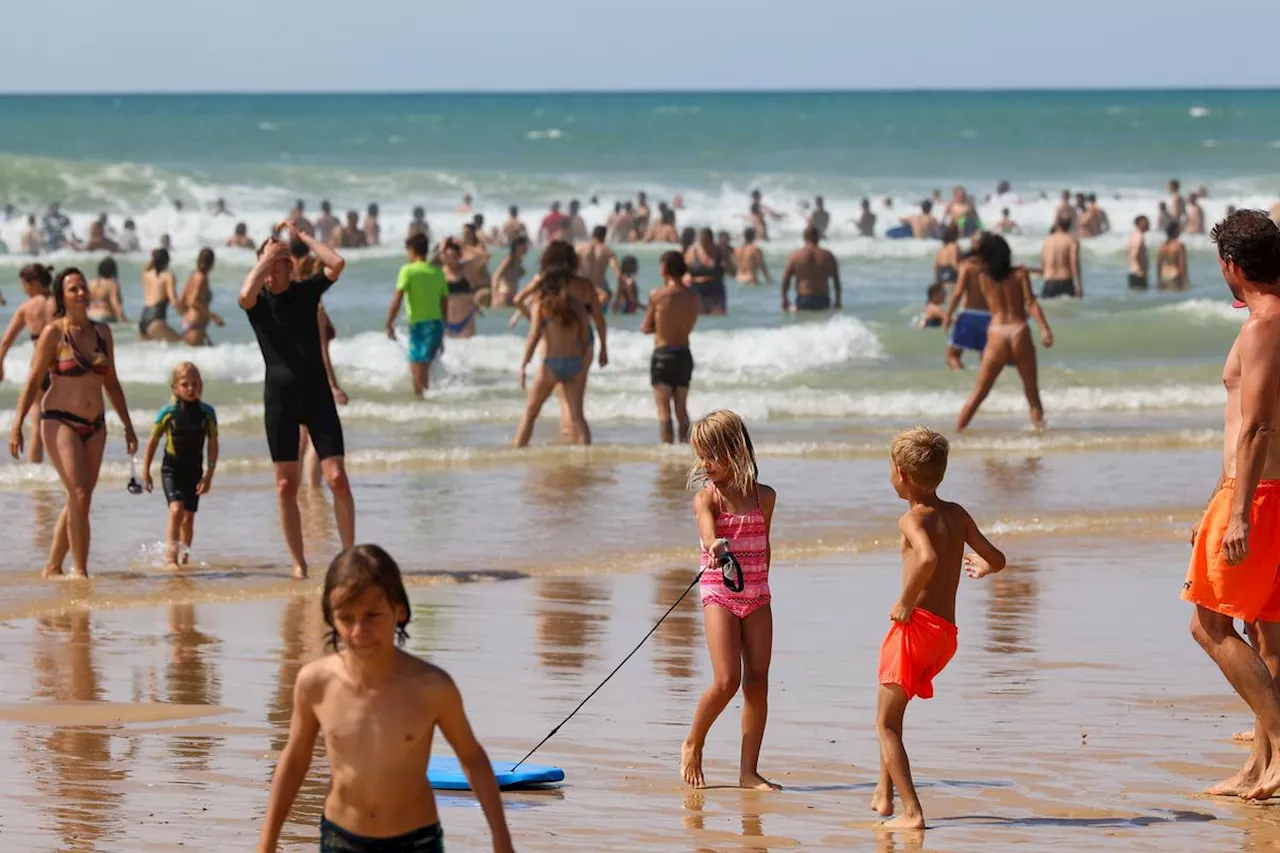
{"x":180,"y":370}
{"x":723,"y":436}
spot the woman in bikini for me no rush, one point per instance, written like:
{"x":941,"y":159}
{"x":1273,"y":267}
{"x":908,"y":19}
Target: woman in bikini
{"x":560,"y":323}
{"x":30,"y":317}
{"x":706,"y":274}
{"x":1010,"y":298}
{"x":475,"y":261}
{"x":559,"y":257}
{"x":159,"y":288}
{"x":506,"y":279}
{"x":460,"y":321}
{"x":105,"y":304}
{"x":195,"y":299}
{"x":1171,"y":261}
{"x":734,"y":512}
{"x":78,"y":355}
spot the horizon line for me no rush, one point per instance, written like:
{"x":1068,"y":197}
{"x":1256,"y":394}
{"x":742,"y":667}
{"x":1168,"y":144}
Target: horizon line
{"x":922,"y":90}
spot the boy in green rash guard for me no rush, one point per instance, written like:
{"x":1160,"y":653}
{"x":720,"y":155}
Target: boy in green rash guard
{"x":425,"y":292}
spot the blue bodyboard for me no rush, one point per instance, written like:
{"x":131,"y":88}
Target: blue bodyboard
{"x":900,"y":232}
{"x":445,"y":774}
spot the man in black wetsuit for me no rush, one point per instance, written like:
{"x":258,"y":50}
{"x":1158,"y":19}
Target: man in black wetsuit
{"x":285,"y":318}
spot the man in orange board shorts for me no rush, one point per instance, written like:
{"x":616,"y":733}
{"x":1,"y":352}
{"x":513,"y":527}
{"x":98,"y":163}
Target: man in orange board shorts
{"x":1235,"y":556}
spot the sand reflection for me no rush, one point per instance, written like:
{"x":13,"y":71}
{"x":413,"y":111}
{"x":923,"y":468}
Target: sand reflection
{"x":74,"y":765}
{"x":676,"y":639}
{"x":571,"y":617}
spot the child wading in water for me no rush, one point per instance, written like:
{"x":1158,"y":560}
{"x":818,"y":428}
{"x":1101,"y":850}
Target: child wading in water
{"x":734,"y":513}
{"x":184,"y":425}
{"x":922,"y":639}
{"x":378,"y":707}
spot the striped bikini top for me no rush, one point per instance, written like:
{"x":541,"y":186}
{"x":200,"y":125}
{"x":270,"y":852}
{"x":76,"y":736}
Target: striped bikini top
{"x":73,"y":361}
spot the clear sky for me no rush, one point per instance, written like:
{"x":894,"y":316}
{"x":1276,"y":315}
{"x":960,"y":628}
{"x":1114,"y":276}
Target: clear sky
{"x":518,"y":45}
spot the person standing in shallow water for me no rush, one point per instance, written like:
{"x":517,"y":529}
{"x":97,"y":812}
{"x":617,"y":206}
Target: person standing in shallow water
{"x":1234,"y":571}
{"x":670,"y":318}
{"x":285,"y":316}
{"x":1008,"y":294}
{"x":77,"y":356}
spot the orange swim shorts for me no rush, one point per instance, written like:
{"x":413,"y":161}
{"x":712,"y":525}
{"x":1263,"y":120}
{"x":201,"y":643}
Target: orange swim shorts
{"x":914,"y":653}
{"x":1249,"y":590}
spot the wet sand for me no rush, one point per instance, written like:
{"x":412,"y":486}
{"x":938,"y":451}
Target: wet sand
{"x":1078,"y":713}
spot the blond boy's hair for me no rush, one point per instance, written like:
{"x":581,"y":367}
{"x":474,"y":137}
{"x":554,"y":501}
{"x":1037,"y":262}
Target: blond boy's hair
{"x":183,"y":368}
{"x":921,"y":454}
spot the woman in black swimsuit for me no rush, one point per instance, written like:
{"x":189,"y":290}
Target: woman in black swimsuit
{"x":706,"y":274}
{"x":79,"y":357}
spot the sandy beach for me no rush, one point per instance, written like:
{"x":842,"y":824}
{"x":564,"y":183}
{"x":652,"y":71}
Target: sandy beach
{"x":1059,"y":723}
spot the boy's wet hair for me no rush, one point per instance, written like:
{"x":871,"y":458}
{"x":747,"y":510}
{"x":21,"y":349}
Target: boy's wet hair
{"x":722,"y":435}
{"x":921,"y":454}
{"x":359,"y":568}
{"x":937,"y":291}
{"x":629,"y":265}
{"x":37,"y":274}
{"x":418,"y":244}
{"x":1251,"y":241}
{"x":672,"y":264}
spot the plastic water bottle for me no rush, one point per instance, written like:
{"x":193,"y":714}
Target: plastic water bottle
{"x":135,"y":485}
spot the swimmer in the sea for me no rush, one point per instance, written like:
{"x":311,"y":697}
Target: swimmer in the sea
{"x":326,"y":223}
{"x":1195,"y":215}
{"x":418,"y":224}
{"x":1012,"y":302}
{"x":1064,"y":210}
{"x":595,"y":260}
{"x":664,"y":230}
{"x":1139,"y":264}
{"x":159,"y":290}
{"x":670,"y":317}
{"x":724,"y":245}
{"x":513,"y":227}
{"x":1171,"y":261}
{"x":372,"y":230}
{"x":194,"y":302}
{"x":946,"y":263}
{"x":105,"y":304}
{"x":240,"y":238}
{"x":626,"y":298}
{"x":816,"y":274}
{"x":934,"y":314}
{"x":422,"y":287}
{"x":1006,"y":225}
{"x":350,"y":235}
{"x":510,"y":272}
{"x":866,"y":220}
{"x":462,"y":310}
{"x":923,"y":225}
{"x":475,"y":263}
{"x":969,"y":331}
{"x":750,"y":260}
{"x":1060,"y":265}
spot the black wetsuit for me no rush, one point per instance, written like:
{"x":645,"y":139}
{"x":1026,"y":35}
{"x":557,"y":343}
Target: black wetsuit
{"x":296,"y":390}
{"x":185,"y":426}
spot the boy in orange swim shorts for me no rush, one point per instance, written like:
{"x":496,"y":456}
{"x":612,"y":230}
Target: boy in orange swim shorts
{"x":922,"y":639}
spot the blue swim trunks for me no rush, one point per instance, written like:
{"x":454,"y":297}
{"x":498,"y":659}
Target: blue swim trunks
{"x":970,"y":329}
{"x":424,"y":340}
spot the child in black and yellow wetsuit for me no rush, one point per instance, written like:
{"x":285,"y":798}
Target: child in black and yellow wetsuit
{"x":184,"y":424}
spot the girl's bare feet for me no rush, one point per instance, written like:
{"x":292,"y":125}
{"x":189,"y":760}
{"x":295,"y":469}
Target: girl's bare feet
{"x":691,"y":765}
{"x":51,"y":572}
{"x":882,"y":803}
{"x":756,"y":782}
{"x":905,"y":821}
{"x":300,"y":572}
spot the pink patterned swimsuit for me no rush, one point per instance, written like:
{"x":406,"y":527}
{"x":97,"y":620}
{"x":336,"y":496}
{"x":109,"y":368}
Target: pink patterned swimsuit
{"x":749,"y":543}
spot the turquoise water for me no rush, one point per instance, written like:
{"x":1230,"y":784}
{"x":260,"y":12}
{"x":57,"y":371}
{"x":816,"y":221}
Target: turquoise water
{"x":1118,"y":355}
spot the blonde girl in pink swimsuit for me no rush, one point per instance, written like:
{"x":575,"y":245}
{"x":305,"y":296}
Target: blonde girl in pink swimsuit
{"x":734,"y":512}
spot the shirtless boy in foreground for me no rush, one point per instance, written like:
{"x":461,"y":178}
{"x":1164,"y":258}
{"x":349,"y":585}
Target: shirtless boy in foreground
{"x":378,"y":707}
{"x":922,"y":639}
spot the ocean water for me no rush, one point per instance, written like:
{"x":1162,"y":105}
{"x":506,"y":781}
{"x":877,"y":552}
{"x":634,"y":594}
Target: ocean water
{"x":1120,"y":358}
